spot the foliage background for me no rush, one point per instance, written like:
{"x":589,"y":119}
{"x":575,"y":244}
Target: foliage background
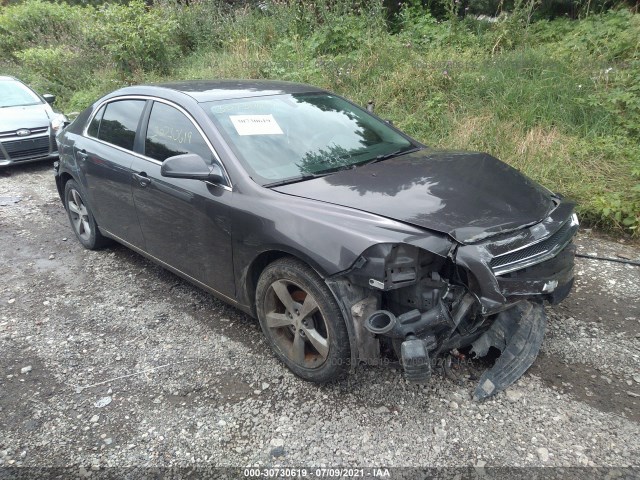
{"x":549,"y":86}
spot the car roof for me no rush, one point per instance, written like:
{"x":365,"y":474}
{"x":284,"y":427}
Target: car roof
{"x":211,"y":90}
{"x":4,"y":78}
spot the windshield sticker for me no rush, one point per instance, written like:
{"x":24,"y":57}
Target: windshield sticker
{"x":256,"y":125}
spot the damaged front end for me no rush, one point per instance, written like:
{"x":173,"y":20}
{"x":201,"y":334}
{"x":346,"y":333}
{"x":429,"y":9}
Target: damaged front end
{"x":421,"y":300}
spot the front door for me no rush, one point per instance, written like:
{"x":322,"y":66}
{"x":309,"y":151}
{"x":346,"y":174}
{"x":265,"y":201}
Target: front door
{"x":185,"y":223}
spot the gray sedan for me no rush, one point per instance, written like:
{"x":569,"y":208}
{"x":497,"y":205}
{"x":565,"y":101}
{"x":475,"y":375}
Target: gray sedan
{"x":348,"y":240}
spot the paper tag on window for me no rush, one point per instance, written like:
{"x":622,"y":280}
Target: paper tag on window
{"x":255,"y":125}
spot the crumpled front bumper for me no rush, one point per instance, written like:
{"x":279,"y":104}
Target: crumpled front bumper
{"x":546,"y":274}
{"x":422,"y":306}
{"x":551,"y":280}
{"x":518,"y":334}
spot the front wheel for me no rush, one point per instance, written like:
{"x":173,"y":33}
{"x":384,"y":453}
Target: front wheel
{"x":302,"y":322}
{"x":81,"y":218}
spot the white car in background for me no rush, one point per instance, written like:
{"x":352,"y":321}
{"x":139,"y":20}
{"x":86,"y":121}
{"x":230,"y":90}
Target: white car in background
{"x":28,"y":124}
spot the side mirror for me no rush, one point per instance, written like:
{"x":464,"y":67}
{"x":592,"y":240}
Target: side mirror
{"x":50,"y":99}
{"x":216,"y":175}
{"x":191,"y":165}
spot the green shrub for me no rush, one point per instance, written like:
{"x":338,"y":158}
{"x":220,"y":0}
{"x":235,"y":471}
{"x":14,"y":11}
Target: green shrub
{"x":609,"y":37}
{"x":419,"y":27}
{"x":620,"y":99}
{"x":59,"y":70}
{"x":559,"y":100}
{"x":199,"y":24}
{"x":511,"y":30}
{"x":37,"y":23}
{"x":614,"y":211}
{"x":137,"y":38}
{"x":612,"y":201}
{"x":104,"y":82}
{"x":341,"y":36}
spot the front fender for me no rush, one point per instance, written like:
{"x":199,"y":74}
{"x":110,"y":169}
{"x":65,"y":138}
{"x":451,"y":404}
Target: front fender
{"x":329,"y":238}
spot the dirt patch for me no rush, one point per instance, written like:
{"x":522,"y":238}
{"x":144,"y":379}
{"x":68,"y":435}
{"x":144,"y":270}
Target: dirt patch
{"x":130,"y":365}
{"x":588,"y":385}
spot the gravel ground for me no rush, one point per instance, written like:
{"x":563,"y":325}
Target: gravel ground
{"x":109,"y":360}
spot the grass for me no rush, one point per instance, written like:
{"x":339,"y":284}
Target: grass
{"x":558,"y":100}
{"x":523,"y":107}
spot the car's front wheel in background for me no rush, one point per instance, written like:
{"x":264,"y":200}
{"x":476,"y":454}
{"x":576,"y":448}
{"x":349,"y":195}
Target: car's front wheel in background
{"x":81,"y":218}
{"x":302,"y":322}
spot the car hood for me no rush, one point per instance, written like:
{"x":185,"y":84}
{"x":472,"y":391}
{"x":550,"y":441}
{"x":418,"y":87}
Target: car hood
{"x":470,"y":196}
{"x":31,"y":116}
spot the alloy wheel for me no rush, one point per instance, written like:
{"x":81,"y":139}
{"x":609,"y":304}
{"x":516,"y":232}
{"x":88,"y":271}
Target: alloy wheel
{"x":79,"y":214}
{"x":296,"y":323}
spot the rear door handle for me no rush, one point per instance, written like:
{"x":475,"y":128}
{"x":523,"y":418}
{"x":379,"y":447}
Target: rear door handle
{"x":142,"y":179}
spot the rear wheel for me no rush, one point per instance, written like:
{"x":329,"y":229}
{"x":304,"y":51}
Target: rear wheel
{"x":81,"y":218}
{"x":302,"y":322}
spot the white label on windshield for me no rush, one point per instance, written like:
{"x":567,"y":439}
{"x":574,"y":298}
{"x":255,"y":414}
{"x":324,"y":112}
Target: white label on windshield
{"x":255,"y":125}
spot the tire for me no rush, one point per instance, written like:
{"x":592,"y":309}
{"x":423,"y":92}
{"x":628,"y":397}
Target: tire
{"x":81,"y":218}
{"x":309,"y":335}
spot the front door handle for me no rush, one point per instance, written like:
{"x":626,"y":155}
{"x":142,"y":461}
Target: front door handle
{"x":142,"y":179}
{"x":82,"y":154}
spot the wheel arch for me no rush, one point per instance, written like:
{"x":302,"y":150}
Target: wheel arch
{"x":265,"y":258}
{"x":252,"y":273}
{"x":61,"y":181}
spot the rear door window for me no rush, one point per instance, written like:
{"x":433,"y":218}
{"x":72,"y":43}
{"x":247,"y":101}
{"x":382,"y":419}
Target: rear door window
{"x":120,"y":122}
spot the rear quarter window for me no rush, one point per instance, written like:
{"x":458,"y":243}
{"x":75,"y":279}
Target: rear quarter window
{"x":94,"y":126}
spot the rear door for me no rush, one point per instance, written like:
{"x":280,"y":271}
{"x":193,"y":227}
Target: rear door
{"x":104,"y":156}
{"x":185,"y":222}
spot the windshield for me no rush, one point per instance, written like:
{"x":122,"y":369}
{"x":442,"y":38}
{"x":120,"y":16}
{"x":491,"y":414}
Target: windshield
{"x":15,"y":94}
{"x":290,"y":137}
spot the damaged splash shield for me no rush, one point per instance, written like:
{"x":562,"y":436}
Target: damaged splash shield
{"x":518,"y":334}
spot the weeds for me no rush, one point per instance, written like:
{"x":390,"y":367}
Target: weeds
{"x":560,"y":100}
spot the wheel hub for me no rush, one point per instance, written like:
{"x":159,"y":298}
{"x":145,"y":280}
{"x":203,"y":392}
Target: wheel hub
{"x":78,"y":214}
{"x":297,"y":325}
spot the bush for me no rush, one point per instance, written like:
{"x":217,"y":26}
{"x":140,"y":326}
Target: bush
{"x":615,"y":211}
{"x":419,"y":27}
{"x":344,"y":35}
{"x":82,"y":98}
{"x":199,"y":23}
{"x":58,"y":70}
{"x":137,"y":38}
{"x":37,"y":23}
{"x":559,"y":100}
{"x":617,"y":206}
{"x":609,"y":37}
